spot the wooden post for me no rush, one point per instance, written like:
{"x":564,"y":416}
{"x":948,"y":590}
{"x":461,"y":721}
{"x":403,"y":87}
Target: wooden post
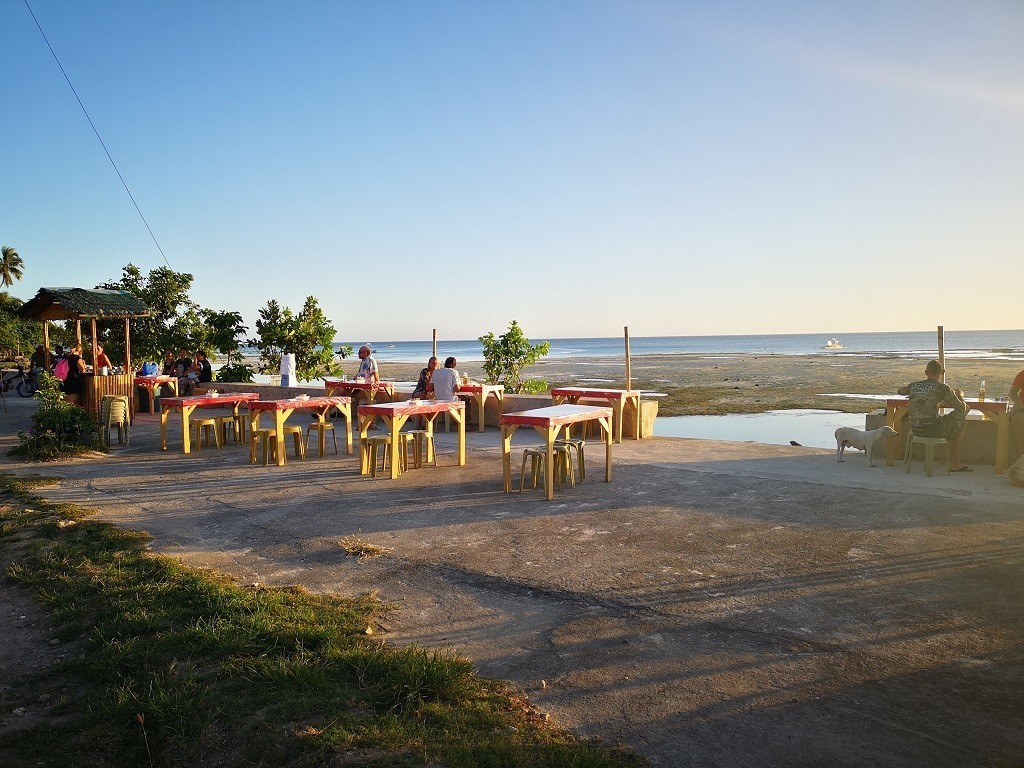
{"x":434,"y":352}
{"x":629,"y":375}
{"x":78,"y":331}
{"x":95,"y":357}
{"x":942,"y":354}
{"x":46,"y":343}
{"x":127,"y":346}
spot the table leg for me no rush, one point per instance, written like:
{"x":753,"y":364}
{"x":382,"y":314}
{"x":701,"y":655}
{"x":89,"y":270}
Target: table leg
{"x":606,"y":429}
{"x":459,"y":414}
{"x":892,"y":418}
{"x":279,"y":418}
{"x":480,"y":400}
{"x":430,"y":419}
{"x":1002,"y":421}
{"x":164,"y":413}
{"x":186,"y":433}
{"x":395,"y":427}
{"x":346,"y":413}
{"x":636,"y":407}
{"x":506,"y":454}
{"x":254,"y":425}
{"x":365,"y":422}
{"x":617,"y":417}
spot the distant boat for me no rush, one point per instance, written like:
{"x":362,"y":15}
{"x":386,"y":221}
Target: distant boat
{"x":834,"y":344}
{"x":391,"y":346}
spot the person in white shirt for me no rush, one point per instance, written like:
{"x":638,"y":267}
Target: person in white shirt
{"x":446,"y":381}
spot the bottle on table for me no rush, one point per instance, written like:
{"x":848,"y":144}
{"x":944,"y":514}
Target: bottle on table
{"x":981,"y":390}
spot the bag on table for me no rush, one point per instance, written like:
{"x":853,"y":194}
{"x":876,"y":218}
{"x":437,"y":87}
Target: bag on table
{"x":150,"y":369}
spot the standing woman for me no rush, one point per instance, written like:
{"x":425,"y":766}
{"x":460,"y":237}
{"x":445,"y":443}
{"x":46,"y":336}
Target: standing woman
{"x":74,"y":384}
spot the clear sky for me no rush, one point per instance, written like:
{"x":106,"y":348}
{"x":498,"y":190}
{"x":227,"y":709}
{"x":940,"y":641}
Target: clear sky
{"x":677,"y":167}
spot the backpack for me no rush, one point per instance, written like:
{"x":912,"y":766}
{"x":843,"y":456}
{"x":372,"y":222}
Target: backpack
{"x":61,"y":369}
{"x":150,"y":369}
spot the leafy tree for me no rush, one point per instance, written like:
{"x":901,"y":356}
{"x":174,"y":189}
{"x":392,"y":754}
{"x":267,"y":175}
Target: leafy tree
{"x":507,"y":355}
{"x":59,"y":429}
{"x":11,"y":265}
{"x":17,"y":333}
{"x":308,"y":335}
{"x":224,"y":331}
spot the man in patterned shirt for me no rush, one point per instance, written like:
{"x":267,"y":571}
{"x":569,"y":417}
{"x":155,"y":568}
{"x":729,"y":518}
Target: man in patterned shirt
{"x":925,"y":421}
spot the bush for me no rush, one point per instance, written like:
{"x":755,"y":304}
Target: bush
{"x":60,"y":428}
{"x":507,"y":355}
{"x":235,"y":372}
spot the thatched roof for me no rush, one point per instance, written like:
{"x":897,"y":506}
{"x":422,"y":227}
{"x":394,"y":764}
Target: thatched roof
{"x":80,"y":303}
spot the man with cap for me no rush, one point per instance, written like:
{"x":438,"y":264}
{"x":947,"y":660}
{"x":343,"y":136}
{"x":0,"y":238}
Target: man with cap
{"x":925,"y":420}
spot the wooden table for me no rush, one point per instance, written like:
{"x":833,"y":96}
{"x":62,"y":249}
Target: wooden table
{"x":282,"y":409}
{"x":394,"y":415}
{"x":186,"y":405}
{"x":897,"y":408}
{"x":349,"y":388}
{"x":549,"y":422}
{"x":618,"y":399}
{"x":478,"y":393}
{"x":150,"y":383}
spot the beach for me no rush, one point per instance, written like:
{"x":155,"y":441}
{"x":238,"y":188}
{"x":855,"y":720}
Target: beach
{"x":734,"y":383}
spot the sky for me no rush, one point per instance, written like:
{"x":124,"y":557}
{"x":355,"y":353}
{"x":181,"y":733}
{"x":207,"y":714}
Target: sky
{"x":680,"y":168}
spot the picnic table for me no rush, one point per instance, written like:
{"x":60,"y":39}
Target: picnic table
{"x":618,"y":399}
{"x":897,"y":409}
{"x":548,"y":422}
{"x":186,"y":405}
{"x":394,"y":416}
{"x":280,"y":410}
{"x":150,"y":383}
{"x":478,"y":393}
{"x":349,"y":388}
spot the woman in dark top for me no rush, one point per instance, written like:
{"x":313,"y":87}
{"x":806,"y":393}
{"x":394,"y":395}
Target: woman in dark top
{"x":74,"y":383}
{"x":169,"y":362}
{"x":203,"y":367}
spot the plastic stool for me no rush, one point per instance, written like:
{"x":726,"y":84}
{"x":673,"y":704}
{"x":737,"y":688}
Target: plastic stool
{"x":378,"y":441}
{"x":562,"y":465}
{"x":296,"y":432}
{"x":421,"y":439}
{"x":114,"y":413}
{"x":322,"y":428}
{"x":929,"y":444}
{"x":222,"y":429}
{"x":578,"y":444}
{"x":269,"y":439}
{"x":206,"y":427}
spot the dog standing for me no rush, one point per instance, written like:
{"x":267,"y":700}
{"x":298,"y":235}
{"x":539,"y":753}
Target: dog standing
{"x":848,"y":437}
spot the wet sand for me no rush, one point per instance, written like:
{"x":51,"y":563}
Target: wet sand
{"x":704,"y":384}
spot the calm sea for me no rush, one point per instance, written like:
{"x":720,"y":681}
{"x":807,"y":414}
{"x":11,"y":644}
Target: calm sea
{"x":1008,"y":345}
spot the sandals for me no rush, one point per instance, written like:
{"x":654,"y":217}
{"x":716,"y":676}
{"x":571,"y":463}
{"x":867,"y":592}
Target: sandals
{"x":963,"y":469}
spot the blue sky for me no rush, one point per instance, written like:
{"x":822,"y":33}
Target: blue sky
{"x":677,"y":167}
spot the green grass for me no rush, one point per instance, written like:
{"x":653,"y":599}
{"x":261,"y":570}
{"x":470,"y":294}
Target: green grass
{"x":178,"y":667}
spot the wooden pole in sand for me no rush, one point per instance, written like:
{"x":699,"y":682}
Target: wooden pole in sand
{"x":629,"y":375}
{"x":433,"y":352}
{"x":942,"y":354}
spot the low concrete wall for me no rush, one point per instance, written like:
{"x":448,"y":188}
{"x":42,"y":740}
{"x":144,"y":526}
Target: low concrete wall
{"x":978,"y":447}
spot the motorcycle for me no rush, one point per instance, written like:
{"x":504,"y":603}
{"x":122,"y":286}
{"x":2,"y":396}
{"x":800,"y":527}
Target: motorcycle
{"x":24,"y":383}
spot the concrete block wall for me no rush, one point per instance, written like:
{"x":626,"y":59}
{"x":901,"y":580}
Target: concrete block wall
{"x":978,"y":447}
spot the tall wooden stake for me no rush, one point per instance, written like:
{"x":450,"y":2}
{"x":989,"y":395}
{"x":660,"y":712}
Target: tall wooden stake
{"x":95,"y":357}
{"x":629,"y":375}
{"x":434,"y":348}
{"x":942,"y":354}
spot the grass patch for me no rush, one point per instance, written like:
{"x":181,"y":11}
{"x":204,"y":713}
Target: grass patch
{"x":180,"y":667}
{"x":358,"y":548}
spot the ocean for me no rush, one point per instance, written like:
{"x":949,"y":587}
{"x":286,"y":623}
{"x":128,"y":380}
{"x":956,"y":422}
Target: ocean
{"x":1002,"y":345}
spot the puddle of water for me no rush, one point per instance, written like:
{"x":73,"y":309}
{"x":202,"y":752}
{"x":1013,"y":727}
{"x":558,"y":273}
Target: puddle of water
{"x":808,"y":427}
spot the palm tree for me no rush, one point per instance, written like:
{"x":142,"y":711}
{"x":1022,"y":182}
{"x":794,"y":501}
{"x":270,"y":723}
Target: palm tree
{"x":10,"y":265}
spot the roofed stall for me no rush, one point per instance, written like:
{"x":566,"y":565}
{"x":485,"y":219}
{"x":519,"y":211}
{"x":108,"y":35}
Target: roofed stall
{"x":91,"y":304}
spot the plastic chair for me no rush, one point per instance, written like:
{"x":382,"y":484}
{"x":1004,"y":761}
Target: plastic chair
{"x":929,"y":444}
{"x":114,"y":413}
{"x":236,"y":427}
{"x":562,"y":466}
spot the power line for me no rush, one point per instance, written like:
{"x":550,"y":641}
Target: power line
{"x":94,"y":130}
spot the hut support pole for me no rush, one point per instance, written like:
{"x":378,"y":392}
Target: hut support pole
{"x":127,"y":346}
{"x":95,"y":357}
{"x":46,"y":341}
{"x":942,"y":354}
{"x":78,"y":332}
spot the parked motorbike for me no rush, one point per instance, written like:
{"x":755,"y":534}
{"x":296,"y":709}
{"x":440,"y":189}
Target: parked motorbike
{"x":24,"y":383}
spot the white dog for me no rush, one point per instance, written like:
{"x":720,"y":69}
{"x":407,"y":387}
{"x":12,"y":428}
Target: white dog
{"x":848,"y":437}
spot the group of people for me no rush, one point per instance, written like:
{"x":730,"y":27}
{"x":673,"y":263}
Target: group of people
{"x":73,"y":382}
{"x":931,"y":393}
{"x":190,"y":371}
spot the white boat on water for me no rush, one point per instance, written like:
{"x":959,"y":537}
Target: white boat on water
{"x":834,"y":344}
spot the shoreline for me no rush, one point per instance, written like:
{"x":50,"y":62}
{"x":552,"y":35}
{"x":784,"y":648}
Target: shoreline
{"x":747,"y":383}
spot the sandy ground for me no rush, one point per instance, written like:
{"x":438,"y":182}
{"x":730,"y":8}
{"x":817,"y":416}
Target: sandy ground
{"x":697,"y":384}
{"x":716,"y":604}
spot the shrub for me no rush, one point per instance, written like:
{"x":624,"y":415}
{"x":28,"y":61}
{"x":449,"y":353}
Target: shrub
{"x":235,"y":372}
{"x":60,"y":428}
{"x":507,"y":355}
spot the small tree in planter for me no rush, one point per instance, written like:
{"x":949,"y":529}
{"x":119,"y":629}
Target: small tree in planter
{"x":308,"y":335}
{"x":507,"y":355}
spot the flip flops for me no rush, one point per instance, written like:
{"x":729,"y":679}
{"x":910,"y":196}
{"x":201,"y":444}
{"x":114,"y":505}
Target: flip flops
{"x":963,"y":469}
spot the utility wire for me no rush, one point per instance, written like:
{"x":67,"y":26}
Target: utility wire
{"x":94,"y":130}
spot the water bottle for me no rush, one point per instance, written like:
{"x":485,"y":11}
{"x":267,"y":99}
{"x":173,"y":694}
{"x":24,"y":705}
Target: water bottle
{"x":981,"y":391}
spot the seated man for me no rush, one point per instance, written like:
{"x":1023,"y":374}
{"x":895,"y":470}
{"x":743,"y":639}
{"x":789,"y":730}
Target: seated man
{"x":202,"y":368}
{"x":925,"y":398}
{"x":446,"y":381}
